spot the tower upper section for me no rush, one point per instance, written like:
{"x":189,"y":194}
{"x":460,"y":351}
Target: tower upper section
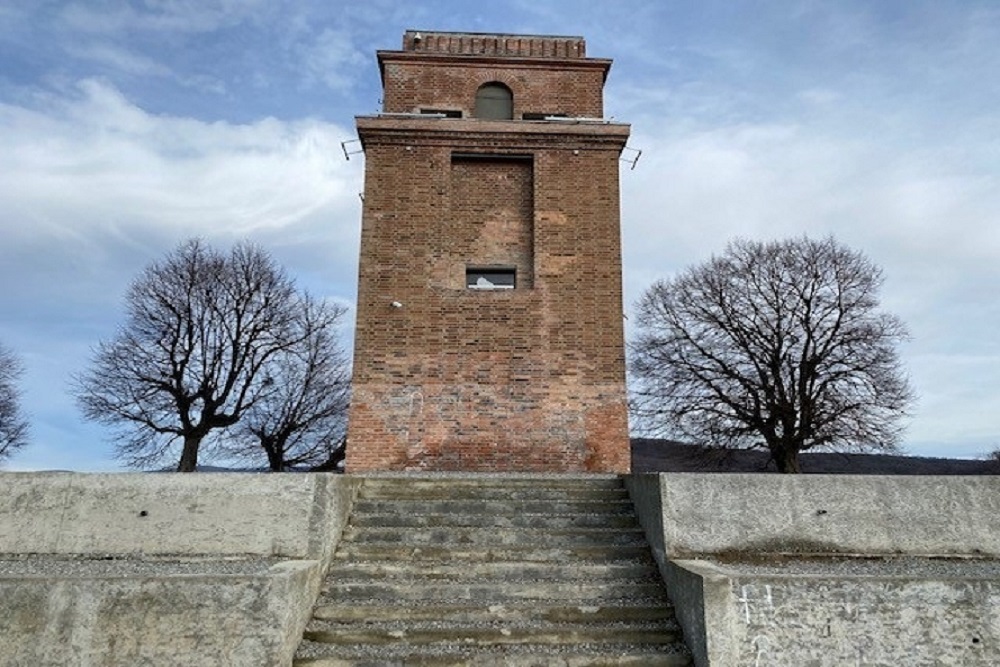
{"x":512,"y":77}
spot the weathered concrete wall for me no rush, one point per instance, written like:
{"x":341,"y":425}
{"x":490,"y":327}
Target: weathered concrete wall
{"x":292,"y":516}
{"x":72,"y":614}
{"x":195,"y":621}
{"x":864,"y":514}
{"x":832,"y":621}
{"x":733,"y":616}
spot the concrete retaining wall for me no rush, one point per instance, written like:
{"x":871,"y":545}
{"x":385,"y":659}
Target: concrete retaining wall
{"x":827,"y":621}
{"x":195,"y":621}
{"x":248,"y":619}
{"x":865,"y":514}
{"x":733,"y":617}
{"x":287,"y":515}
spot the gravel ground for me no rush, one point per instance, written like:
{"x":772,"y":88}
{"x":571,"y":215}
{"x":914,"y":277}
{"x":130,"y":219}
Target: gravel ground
{"x":35,"y":565}
{"x":890,"y":566}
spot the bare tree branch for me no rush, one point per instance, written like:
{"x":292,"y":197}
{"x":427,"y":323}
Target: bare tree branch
{"x":189,"y":361}
{"x":13,"y":424}
{"x":301,"y":420}
{"x":776,"y":345}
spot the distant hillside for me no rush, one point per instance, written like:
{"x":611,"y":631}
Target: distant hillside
{"x":652,"y":455}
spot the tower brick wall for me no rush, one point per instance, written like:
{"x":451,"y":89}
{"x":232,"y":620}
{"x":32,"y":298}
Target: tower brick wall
{"x":448,"y":377}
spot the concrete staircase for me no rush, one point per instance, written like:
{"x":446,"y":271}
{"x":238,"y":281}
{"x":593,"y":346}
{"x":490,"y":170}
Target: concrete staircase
{"x":492,"y":570}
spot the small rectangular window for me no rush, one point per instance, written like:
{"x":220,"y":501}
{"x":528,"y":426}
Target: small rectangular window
{"x":541,"y":116}
{"x":447,"y":113}
{"x":490,"y":278}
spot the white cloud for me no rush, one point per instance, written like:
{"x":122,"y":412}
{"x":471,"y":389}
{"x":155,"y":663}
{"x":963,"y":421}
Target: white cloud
{"x":95,"y":187}
{"x":927,"y":218}
{"x":333,"y":58}
{"x":118,"y":58}
{"x":105,"y":159}
{"x":182,"y":16}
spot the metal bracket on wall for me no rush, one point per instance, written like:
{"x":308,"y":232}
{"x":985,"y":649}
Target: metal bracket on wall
{"x":632,"y":157}
{"x":352,"y":151}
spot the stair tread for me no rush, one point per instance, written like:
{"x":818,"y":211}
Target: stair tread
{"x":482,"y":520}
{"x":580,"y":593}
{"x":523,"y":571}
{"x":530,"y":657}
{"x":480,"y":611}
{"x":493,"y":636}
{"x":375,"y":551}
{"x":464,"y":569}
{"x":441,"y":506}
{"x":607,"y":655}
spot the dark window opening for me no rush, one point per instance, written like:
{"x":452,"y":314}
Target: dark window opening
{"x":494,"y":101}
{"x":458,"y":156}
{"x":542,"y":116}
{"x":447,"y":113}
{"x":490,"y":278}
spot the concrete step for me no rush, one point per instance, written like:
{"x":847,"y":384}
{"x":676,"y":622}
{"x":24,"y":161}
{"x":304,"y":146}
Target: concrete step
{"x":464,"y":635}
{"x":581,"y":592}
{"x":374,"y":551}
{"x":506,"y":656}
{"x":516,"y":571}
{"x":405,"y":519}
{"x":523,"y":493}
{"x":485,"y":571}
{"x":480,"y":612}
{"x":394,"y":483}
{"x":493,"y":507}
{"x":492,"y":537}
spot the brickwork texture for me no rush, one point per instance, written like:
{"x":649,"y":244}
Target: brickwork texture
{"x":452,"y":378}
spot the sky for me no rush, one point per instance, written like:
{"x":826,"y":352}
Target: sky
{"x":128,"y":127}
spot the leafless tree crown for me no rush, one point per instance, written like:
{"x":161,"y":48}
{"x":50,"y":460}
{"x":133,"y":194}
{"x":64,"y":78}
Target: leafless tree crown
{"x":13,"y":424}
{"x":202,"y":331}
{"x":300,"y":419}
{"x":778,"y":345}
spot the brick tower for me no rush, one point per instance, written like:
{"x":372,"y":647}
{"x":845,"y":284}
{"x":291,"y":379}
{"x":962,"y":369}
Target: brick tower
{"x":489,"y":324}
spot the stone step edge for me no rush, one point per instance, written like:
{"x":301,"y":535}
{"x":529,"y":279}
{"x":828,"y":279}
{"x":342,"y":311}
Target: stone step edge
{"x":389,"y":551}
{"x":631,"y":658}
{"x":566,"y":510}
{"x":524,"y":517}
{"x":550,"y":569}
{"x":353,"y":532}
{"x":526,"y":478}
{"x":474,"y":636}
{"x":595,"y":595}
{"x":472,"y":494}
{"x":552,"y":613}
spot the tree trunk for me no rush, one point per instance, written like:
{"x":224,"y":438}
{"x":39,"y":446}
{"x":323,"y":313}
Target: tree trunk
{"x":275,"y":456}
{"x":189,"y":455}
{"x":787,"y":459}
{"x":332,"y":463}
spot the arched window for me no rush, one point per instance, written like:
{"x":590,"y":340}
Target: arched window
{"x":494,"y":101}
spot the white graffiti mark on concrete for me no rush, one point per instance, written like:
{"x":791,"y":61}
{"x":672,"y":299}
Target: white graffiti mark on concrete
{"x":762,"y":644}
{"x":745,"y":599}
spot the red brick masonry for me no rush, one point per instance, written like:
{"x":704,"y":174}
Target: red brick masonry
{"x":452,"y":378}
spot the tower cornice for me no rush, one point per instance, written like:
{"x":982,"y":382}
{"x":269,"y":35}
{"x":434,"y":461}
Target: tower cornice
{"x":473,"y":132}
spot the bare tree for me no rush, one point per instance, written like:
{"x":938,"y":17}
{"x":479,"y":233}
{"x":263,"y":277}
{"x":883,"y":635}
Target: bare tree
{"x":201,"y":327}
{"x":13,"y":424}
{"x":773,"y":345}
{"x":300,"y":418}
